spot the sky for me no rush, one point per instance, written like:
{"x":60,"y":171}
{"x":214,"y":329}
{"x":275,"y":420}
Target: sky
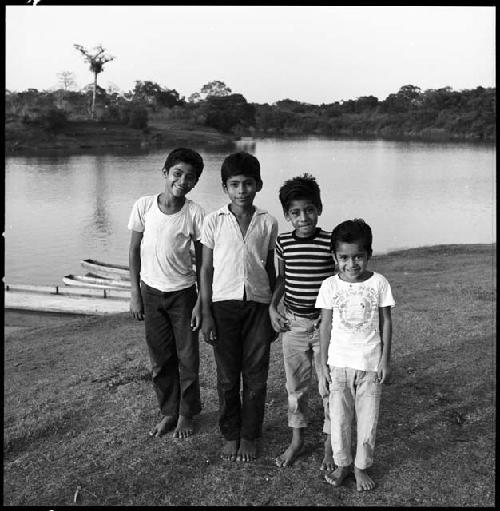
{"x":313,"y":54}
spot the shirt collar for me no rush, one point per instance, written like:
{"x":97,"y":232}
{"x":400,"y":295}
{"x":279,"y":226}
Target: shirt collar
{"x":225,"y":210}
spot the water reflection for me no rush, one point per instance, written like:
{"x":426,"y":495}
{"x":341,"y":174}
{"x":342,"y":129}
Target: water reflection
{"x":100,"y":215}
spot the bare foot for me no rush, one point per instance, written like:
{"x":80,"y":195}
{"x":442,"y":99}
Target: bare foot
{"x":247,"y":450}
{"x":363,"y":481}
{"x":328,"y":463}
{"x":167,"y":422}
{"x":184,"y":427}
{"x":230,"y":450}
{"x":290,"y":455}
{"x":338,"y":475}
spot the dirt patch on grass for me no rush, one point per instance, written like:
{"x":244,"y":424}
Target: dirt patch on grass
{"x":78,"y":404}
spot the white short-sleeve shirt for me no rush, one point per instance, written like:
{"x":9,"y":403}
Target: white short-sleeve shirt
{"x":240,"y":262}
{"x":167,"y":242}
{"x":355,"y":336}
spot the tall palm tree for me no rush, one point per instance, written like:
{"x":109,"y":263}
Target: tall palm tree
{"x":96,"y":59}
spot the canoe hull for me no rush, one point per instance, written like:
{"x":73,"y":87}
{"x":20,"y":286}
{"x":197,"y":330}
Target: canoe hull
{"x":105,"y":270}
{"x":64,"y":299}
{"x":95,"y":282}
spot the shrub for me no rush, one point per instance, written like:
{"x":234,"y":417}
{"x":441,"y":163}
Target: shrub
{"x":138,"y":117}
{"x":54,"y":119}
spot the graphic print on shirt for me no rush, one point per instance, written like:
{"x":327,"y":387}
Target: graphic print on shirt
{"x":357,"y":309}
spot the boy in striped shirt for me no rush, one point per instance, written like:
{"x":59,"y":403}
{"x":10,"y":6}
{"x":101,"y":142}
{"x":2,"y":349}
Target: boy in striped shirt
{"x":304,"y":261}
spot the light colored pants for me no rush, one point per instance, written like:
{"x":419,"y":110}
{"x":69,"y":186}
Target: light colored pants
{"x":353,"y":391}
{"x":301,"y":353}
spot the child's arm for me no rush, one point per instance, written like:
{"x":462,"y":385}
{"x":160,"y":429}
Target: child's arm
{"x":325,"y":334}
{"x":271,"y":269}
{"x":196,"y":314}
{"x":384,"y":368}
{"x":278,"y":320}
{"x":134,"y":258}
{"x":206,"y":277}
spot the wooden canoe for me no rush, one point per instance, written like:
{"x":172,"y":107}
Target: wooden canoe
{"x":66,"y":299}
{"x":106,"y":270}
{"x":95,"y":282}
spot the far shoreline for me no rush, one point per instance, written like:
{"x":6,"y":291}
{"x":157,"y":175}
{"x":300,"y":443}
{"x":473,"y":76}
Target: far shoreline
{"x":83,"y":138}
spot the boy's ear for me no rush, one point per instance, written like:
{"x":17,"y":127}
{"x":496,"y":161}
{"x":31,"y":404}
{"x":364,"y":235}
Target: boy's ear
{"x":259,"y":186}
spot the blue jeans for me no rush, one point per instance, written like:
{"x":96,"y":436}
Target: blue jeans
{"x":354,"y":392}
{"x":173,"y":349}
{"x":301,"y":357}
{"x":244,"y":335}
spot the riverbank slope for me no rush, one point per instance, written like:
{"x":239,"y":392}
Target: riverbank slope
{"x":88,"y":136}
{"x":78,"y":404}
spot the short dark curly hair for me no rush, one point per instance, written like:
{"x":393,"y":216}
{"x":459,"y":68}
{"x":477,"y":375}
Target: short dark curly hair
{"x":184,"y":155}
{"x":240,"y":163}
{"x":300,"y":188}
{"x":352,"y":231}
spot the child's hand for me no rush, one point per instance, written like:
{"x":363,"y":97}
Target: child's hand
{"x":207,"y":331}
{"x":136,"y":307}
{"x":384,"y":372}
{"x":196,"y":316}
{"x":279,"y":322}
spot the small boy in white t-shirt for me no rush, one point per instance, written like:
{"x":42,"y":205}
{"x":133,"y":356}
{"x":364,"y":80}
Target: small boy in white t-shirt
{"x":355,"y":345}
{"x":165,"y":229}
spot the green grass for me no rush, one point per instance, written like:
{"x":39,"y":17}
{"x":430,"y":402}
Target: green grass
{"x":78,"y":403}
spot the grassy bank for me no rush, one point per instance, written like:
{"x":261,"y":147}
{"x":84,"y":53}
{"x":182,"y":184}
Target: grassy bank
{"x":88,"y":137}
{"x":78,"y":403}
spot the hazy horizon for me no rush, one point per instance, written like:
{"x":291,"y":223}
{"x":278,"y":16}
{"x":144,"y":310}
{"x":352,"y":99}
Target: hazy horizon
{"x":318,"y":54}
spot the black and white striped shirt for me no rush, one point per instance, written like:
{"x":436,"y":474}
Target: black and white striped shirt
{"x":308,"y":262}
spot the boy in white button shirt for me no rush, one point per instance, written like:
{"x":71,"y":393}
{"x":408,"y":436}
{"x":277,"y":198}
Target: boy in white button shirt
{"x":355,"y":345}
{"x":237,"y":281}
{"x":165,"y":227}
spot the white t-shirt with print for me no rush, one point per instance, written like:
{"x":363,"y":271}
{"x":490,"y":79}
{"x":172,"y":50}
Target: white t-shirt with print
{"x":167,"y":242}
{"x":355,"y":337}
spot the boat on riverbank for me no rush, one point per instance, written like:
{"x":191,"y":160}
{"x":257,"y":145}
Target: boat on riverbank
{"x":75,"y":300}
{"x":92,"y":281}
{"x":105,"y":270}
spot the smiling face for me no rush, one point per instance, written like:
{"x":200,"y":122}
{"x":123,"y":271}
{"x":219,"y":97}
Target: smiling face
{"x":241,"y":190}
{"x":303,"y":215}
{"x":180,"y":179}
{"x":352,"y":260}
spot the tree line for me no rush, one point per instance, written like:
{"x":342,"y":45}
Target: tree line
{"x":410,"y":112}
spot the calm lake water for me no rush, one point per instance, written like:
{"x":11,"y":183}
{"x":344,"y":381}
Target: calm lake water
{"x":59,"y":210}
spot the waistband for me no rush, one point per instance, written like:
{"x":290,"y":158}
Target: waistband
{"x":313,"y":315}
{"x":158,"y":292}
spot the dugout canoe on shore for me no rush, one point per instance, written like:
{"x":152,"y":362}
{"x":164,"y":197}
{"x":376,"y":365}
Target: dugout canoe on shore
{"x":75,"y":300}
{"x":91,"y":281}
{"x":106,"y":270}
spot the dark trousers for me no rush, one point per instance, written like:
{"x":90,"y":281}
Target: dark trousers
{"x":244,"y":335}
{"x":173,"y":349}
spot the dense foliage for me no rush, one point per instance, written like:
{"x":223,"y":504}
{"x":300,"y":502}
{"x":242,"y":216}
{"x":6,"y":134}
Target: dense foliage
{"x":434,"y":113}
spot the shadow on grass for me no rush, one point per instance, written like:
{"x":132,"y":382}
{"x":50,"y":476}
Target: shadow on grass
{"x":74,"y":421}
